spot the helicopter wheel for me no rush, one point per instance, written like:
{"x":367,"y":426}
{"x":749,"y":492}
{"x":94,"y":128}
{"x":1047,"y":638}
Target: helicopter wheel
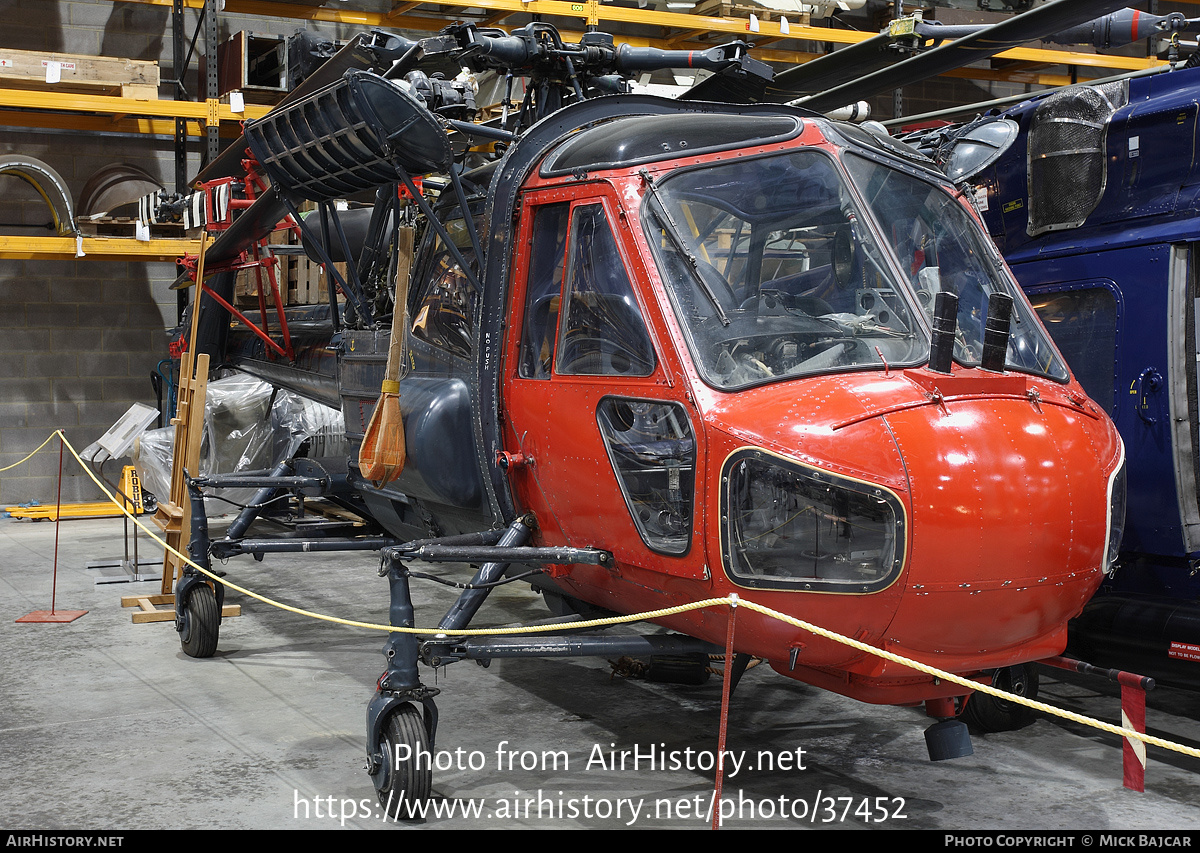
{"x":987,"y":713}
{"x":201,"y":623}
{"x":405,"y":776}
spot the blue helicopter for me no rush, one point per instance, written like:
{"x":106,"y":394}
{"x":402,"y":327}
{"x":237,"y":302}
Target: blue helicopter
{"x":1092,"y":193}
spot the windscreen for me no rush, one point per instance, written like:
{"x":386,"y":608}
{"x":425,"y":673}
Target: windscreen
{"x":941,"y":247}
{"x":773,"y":273}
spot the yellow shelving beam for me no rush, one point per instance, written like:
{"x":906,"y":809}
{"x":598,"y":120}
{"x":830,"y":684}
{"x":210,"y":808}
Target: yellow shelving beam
{"x":197,"y":111}
{"x":96,"y":248}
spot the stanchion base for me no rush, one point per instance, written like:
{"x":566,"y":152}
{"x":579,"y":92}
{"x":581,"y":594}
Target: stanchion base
{"x":948,"y":739}
{"x":52,"y":616}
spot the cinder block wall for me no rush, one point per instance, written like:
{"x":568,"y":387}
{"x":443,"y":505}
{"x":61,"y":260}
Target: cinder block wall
{"x":79,"y":339}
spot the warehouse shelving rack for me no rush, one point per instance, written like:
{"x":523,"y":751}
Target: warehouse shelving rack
{"x":188,"y":118}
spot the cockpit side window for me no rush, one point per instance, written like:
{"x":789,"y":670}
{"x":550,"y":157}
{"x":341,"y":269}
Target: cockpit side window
{"x":602,"y":331}
{"x":443,"y":308}
{"x":543,"y":290}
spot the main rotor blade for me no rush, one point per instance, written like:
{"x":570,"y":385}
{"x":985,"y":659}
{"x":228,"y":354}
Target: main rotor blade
{"x":829,"y":70}
{"x":1029,"y":26}
{"x":870,"y":66}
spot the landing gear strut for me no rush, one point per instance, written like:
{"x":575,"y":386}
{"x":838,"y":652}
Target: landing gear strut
{"x":402,"y":717}
{"x":197,"y":604}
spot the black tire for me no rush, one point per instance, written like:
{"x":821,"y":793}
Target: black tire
{"x":988,"y":713}
{"x":679,"y":669}
{"x":201,"y":623}
{"x":405,"y":777}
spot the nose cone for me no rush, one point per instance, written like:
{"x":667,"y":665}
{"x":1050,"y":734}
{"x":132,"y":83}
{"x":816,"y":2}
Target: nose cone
{"x":1009,"y":523}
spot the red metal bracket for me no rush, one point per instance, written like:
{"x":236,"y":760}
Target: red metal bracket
{"x":219,"y":215}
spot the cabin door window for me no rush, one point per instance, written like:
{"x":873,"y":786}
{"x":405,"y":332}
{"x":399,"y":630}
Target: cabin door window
{"x":609,"y":455}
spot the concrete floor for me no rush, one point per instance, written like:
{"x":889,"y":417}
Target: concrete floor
{"x":108,"y":725}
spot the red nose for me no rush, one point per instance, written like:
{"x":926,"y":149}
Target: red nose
{"x":1009,"y":524}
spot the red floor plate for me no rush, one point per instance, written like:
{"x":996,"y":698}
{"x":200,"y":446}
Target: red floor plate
{"x":52,"y":616}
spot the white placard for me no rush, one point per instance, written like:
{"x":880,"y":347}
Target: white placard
{"x":120,"y":436}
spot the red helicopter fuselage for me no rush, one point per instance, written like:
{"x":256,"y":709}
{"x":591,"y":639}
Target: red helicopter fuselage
{"x":680,"y":388}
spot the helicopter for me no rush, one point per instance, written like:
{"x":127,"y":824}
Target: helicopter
{"x":1103,"y":241}
{"x":656,"y":351}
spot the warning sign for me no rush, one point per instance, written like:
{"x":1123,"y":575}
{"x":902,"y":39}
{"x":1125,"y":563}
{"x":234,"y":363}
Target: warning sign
{"x":1184,"y":651}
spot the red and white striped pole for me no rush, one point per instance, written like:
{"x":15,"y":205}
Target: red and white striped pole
{"x":1133,"y":715}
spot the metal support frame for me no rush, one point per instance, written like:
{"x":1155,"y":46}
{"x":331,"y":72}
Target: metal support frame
{"x":401,"y":683}
{"x":212,"y":133}
{"x":266,"y":492}
{"x":181,"y":177}
{"x":353,"y":294}
{"x":263,"y":333}
{"x":468,"y":604}
{"x":336,"y":536}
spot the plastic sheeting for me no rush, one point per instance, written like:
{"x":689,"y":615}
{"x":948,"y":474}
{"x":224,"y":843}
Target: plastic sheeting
{"x":248,"y":426}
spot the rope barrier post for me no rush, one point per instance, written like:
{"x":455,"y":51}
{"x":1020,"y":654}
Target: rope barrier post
{"x":725,"y":691}
{"x":1133,"y":716}
{"x":52,"y":615}
{"x":57,"y":525}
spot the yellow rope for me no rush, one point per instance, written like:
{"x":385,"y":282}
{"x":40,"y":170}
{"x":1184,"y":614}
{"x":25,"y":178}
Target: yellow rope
{"x":371,"y":625}
{"x":34,"y":453}
{"x":731,"y":600}
{"x":973,"y":685}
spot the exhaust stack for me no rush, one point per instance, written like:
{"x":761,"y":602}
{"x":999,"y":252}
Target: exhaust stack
{"x":996,"y":332}
{"x":945,"y":325}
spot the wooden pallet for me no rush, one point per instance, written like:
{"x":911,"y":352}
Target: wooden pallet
{"x":98,"y":75}
{"x":148,"y":608}
{"x":312,"y":287}
{"x":733,"y":9}
{"x":301,"y":281}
